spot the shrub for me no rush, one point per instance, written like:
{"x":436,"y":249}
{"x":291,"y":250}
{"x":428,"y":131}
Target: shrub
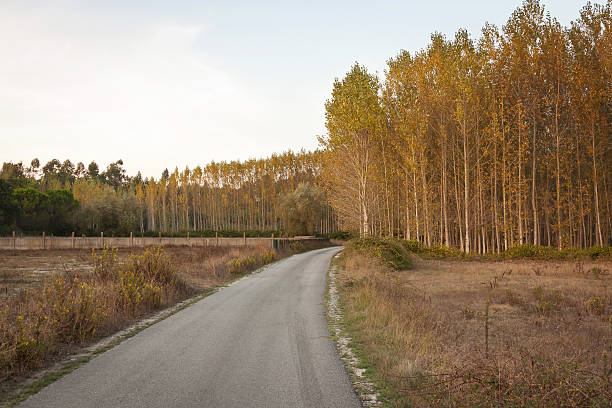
{"x":266,"y":257}
{"x":598,"y":252}
{"x":387,"y":250}
{"x":412,"y":245}
{"x":297,"y":246}
{"x":597,"y":305}
{"x":241,"y":265}
{"x":341,"y":235}
{"x":105,"y":263}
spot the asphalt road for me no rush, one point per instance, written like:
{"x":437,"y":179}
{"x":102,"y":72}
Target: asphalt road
{"x":261,"y":342}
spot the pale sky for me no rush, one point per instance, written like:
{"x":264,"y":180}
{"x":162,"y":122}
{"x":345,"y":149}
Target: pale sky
{"x":180,"y":83}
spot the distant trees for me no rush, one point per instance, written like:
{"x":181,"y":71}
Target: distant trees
{"x":51,"y":211}
{"x":483,"y":145}
{"x":9,"y":210}
{"x":219,"y":196}
{"x":302,"y":209}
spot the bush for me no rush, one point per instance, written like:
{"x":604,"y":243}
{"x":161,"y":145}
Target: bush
{"x":412,"y":245}
{"x":387,"y":250}
{"x":297,"y":246}
{"x":341,"y":235}
{"x":530,"y":251}
{"x":241,"y":265}
{"x":267,"y":257}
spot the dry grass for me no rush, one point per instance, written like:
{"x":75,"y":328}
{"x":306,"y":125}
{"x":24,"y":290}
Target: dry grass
{"x":424,"y":331}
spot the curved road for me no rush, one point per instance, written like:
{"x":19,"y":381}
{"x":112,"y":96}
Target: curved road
{"x":261,"y":342}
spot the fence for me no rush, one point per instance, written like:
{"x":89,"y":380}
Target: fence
{"x":51,"y":242}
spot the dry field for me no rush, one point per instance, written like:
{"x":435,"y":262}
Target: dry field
{"x":201,"y":267}
{"x":484,"y":333}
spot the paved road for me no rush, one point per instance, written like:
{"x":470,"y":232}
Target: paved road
{"x":262,"y":342}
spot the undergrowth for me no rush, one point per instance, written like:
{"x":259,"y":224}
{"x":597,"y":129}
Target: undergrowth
{"x":73,"y":308}
{"x":525,"y":251}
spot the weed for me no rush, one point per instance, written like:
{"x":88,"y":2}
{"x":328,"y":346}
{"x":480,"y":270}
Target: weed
{"x":468,"y":313}
{"x":597,"y":305}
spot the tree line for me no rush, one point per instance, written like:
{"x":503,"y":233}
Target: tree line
{"x":480,"y":144}
{"x":276,"y":194}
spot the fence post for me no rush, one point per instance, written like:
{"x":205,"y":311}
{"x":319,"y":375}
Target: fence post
{"x":244,"y":237}
{"x":217,"y":237}
{"x":273,"y":246}
{"x":14,"y":243}
{"x":43,"y":241}
{"x":72,"y":240}
{"x":131,"y":238}
{"x":160,"y":239}
{"x":101,"y":239}
{"x":188,"y":240}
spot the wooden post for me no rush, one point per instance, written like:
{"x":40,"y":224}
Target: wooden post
{"x":244,"y":237}
{"x":217,"y":237}
{"x":131,"y":238}
{"x":44,"y":244}
{"x":188,"y":241}
{"x":273,"y":241}
{"x":160,"y":239}
{"x":72,"y":240}
{"x":14,"y":243}
{"x":102,"y":239}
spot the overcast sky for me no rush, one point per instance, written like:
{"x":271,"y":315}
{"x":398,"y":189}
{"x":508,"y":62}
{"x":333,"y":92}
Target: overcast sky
{"x":180,"y":83}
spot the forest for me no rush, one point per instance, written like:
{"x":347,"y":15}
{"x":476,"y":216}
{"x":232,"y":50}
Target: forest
{"x":480,"y":144}
{"x":274,"y":195}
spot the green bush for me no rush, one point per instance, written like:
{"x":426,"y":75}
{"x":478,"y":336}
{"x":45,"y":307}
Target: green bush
{"x":530,"y":251}
{"x":598,"y":252}
{"x":412,"y":245}
{"x":388,"y":250}
{"x":341,"y":235}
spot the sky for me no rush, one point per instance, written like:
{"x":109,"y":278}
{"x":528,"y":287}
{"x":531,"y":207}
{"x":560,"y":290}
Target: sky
{"x":161,"y":84}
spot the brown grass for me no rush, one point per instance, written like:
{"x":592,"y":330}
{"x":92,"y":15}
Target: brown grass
{"x":424,"y":331}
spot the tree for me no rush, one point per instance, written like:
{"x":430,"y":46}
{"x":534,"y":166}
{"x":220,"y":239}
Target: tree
{"x":301,"y":209}
{"x":93,"y":170}
{"x":9,"y":209}
{"x":354,"y":120}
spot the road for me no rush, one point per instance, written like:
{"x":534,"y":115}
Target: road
{"x":261,"y":342}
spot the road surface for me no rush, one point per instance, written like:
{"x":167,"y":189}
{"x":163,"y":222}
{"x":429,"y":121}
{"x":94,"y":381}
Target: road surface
{"x":261,"y":342}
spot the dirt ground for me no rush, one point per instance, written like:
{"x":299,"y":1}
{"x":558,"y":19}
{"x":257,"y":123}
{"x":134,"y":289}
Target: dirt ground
{"x":553,"y":309}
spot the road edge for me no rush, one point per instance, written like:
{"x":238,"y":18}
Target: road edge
{"x":362,"y":384}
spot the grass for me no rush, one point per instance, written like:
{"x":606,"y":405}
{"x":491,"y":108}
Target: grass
{"x":481,"y":333}
{"x":57,"y":313}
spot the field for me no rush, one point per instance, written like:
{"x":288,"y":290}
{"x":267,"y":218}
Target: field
{"x":483,"y":333}
{"x":202,"y":267}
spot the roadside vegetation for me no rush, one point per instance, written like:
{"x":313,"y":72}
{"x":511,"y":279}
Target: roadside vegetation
{"x":83,"y":297}
{"x":455,"y":332}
